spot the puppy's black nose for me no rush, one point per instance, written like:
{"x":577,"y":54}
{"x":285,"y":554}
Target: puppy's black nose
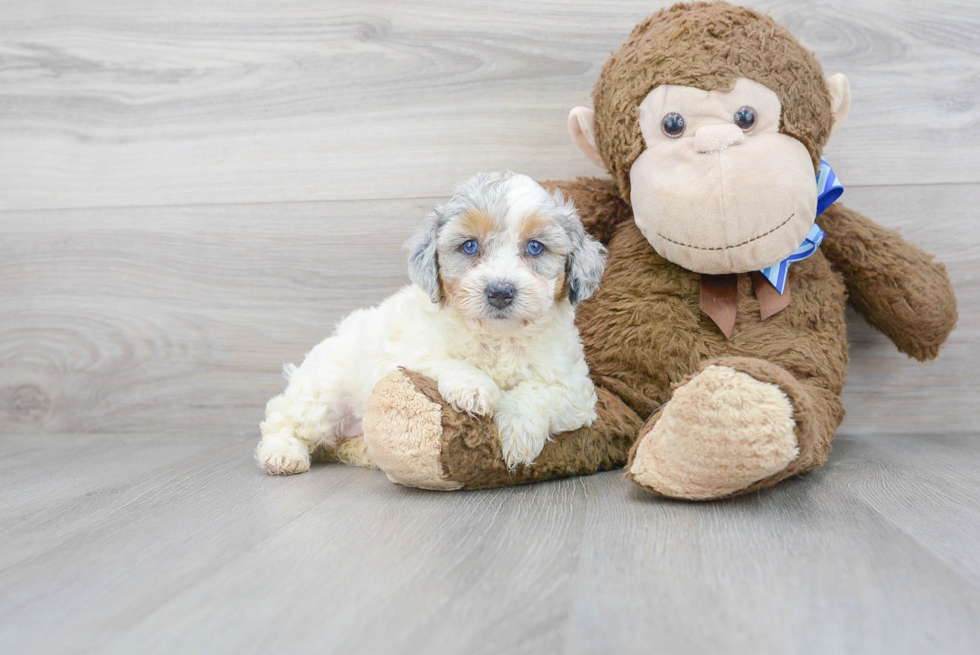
{"x":500,"y":294}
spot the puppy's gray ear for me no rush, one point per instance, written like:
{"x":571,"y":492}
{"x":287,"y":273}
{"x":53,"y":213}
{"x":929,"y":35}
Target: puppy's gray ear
{"x":423,"y":267}
{"x":587,"y":258}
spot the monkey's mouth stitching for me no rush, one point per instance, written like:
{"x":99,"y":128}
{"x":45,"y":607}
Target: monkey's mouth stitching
{"x":737,"y":245}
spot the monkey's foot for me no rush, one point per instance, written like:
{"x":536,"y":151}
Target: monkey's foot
{"x":721,"y":432}
{"x":419,"y":440}
{"x":404,"y":433}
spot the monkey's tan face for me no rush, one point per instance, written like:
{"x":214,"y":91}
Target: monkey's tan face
{"x":718,"y":188}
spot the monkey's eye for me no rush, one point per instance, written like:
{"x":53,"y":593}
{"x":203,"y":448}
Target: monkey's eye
{"x":534,"y":248}
{"x":745,"y":118}
{"x":673,"y":125}
{"x":471,"y":247}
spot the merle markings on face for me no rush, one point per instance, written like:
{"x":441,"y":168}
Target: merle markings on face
{"x":505,"y":250}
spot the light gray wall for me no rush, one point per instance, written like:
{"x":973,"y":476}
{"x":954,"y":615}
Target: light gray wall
{"x":192,"y":196}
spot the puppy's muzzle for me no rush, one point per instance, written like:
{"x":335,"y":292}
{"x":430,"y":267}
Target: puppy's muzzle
{"x":500,"y":294}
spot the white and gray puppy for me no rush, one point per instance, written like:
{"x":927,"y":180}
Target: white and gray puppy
{"x":490,"y":317}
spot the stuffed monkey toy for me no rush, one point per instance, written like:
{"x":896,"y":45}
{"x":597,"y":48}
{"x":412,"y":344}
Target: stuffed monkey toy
{"x":716,"y":339}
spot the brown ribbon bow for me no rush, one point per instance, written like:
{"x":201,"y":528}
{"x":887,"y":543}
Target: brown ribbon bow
{"x":719,"y":298}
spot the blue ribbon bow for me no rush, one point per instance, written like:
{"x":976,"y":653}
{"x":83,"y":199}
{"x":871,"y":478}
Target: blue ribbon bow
{"x":829,"y":189}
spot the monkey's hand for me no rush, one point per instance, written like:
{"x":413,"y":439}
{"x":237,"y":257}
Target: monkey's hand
{"x":896,"y":286}
{"x":599,"y":205}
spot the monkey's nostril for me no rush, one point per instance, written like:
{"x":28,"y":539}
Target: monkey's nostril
{"x":500,"y":294}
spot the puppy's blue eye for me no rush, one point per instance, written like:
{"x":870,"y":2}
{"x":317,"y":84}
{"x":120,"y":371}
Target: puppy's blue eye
{"x":471,"y":247}
{"x":534,"y":248}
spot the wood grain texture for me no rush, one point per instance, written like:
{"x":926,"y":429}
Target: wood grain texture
{"x":240,"y":102}
{"x":124,"y":544}
{"x":179,"y":319}
{"x":191,"y":194}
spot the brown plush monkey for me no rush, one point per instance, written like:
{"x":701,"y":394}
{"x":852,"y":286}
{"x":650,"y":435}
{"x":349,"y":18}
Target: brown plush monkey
{"x":711,"y":119}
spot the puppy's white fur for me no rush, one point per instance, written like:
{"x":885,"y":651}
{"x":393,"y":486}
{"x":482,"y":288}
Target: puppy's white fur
{"x":523,"y":363}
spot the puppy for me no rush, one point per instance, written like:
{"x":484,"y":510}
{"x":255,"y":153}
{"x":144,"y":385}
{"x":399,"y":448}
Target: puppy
{"x":490,"y":317}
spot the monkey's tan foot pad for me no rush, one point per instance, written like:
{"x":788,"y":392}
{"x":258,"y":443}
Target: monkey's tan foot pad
{"x":404,"y":433}
{"x":721,"y":431}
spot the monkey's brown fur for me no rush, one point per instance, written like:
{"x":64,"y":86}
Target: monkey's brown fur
{"x":701,"y":46}
{"x":643,"y":331}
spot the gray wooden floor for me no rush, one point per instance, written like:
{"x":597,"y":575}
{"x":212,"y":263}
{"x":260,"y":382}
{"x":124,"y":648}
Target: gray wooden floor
{"x":138,"y":543}
{"x":191,"y":194}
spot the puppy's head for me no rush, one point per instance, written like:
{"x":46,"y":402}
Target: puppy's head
{"x":504,"y":251}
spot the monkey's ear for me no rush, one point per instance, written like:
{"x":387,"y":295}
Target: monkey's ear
{"x":840,"y":99}
{"x":581,"y":125}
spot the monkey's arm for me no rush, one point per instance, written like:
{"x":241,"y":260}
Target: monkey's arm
{"x":599,"y":204}
{"x":896,"y":286}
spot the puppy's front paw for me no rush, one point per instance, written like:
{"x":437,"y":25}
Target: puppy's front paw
{"x":522,"y":434}
{"x":476,"y":395}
